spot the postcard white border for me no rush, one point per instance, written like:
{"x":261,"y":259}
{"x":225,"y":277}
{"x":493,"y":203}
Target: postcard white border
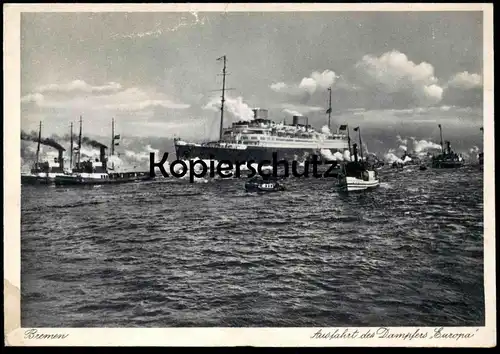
{"x":273,"y":337}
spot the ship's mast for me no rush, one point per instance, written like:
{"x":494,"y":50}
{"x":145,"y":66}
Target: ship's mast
{"x":223,"y":94}
{"x":360,"y":143}
{"x":112,"y":136}
{"x":71,"y":146}
{"x":80,"y":143}
{"x":112,"y":141}
{"x":38,"y":145}
{"x":349,"y":141}
{"x":441,"y":135}
{"x":329,"y":111}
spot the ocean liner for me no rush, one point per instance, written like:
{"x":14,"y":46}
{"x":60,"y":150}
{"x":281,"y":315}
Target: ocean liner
{"x":259,"y":138}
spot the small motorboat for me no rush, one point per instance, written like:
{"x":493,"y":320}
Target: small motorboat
{"x":356,"y":176}
{"x":263,"y":184}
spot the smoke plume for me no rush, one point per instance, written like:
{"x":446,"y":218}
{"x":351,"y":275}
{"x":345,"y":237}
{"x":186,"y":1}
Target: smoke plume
{"x":235,"y":106}
{"x":33,"y":136}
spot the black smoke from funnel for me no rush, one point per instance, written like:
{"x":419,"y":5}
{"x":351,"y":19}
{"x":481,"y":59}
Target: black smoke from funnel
{"x":355,"y":151}
{"x":60,"y":159}
{"x":85,"y":140}
{"x":92,"y":143}
{"x":33,"y":136}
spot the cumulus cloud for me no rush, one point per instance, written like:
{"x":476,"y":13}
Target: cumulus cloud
{"x":33,"y":98}
{"x":317,"y":80}
{"x":79,"y":86}
{"x":464,"y":89}
{"x":112,"y":97}
{"x":279,"y":87}
{"x":387,"y":81}
{"x":465,"y":81}
{"x":298,"y":109}
{"x":394,"y":73}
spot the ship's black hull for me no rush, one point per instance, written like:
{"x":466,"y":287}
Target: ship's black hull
{"x":73,"y":180}
{"x":447,"y":164}
{"x":35,"y":180}
{"x":251,"y":153}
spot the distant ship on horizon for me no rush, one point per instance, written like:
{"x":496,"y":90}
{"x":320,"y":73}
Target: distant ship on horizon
{"x":448,"y":158}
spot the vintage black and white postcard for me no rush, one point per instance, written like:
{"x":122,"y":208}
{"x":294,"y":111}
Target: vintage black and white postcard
{"x":249,"y":175}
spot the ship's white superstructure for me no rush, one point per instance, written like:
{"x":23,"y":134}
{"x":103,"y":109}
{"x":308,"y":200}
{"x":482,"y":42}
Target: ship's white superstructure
{"x":264,"y":133}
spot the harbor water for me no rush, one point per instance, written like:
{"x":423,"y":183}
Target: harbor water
{"x":170,"y":253}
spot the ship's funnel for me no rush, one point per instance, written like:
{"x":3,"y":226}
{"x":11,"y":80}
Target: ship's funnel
{"x":355,"y":151}
{"x":298,"y":119}
{"x":60,"y":159}
{"x":259,"y":113}
{"x":448,"y":147}
{"x":102,"y":155}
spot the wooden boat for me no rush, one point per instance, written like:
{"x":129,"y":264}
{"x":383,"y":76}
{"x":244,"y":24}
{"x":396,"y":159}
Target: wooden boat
{"x":357,"y":176}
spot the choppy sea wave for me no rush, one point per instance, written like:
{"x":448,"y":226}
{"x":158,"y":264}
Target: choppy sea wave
{"x":171,"y":253}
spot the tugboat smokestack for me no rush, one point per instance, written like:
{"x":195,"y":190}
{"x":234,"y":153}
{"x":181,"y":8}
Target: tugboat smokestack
{"x":102,"y":156}
{"x":60,"y":159}
{"x":355,"y":151}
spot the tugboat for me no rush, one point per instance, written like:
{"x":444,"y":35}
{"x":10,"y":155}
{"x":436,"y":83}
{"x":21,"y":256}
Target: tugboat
{"x":96,"y":172}
{"x":447,"y":158}
{"x":263,"y":184}
{"x":44,"y":172}
{"x":356,"y":176}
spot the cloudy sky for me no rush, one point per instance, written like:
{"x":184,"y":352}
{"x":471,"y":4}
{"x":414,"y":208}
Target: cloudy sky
{"x":394,"y":73}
